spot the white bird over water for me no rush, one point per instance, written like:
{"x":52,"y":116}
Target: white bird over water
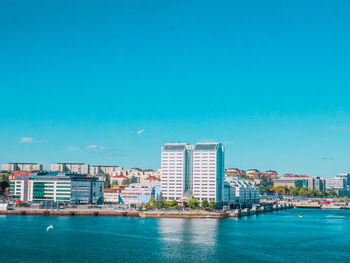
{"x":49,"y":227}
{"x":300,"y":216}
{"x":140,"y":131}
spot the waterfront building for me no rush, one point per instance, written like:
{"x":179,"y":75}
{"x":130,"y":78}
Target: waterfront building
{"x":192,"y":171}
{"x":336,"y":183}
{"x":317,"y":184}
{"x":240,"y":192}
{"x":175,"y":170}
{"x":22,"y":167}
{"x":79,"y":168}
{"x":57,"y":187}
{"x":208,"y":172}
{"x":346,"y":176}
{"x":111,"y":196}
{"x":141,"y":193}
{"x":291,"y":180}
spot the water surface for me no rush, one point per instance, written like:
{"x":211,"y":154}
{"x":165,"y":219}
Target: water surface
{"x":319,"y":236}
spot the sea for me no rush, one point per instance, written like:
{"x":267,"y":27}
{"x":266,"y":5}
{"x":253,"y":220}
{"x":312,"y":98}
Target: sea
{"x":294,"y":235}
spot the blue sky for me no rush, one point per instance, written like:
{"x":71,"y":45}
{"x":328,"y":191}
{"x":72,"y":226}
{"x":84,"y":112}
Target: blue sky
{"x":268,"y":79}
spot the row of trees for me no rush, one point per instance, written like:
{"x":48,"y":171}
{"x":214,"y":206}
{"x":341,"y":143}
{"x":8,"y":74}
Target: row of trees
{"x":172,"y":204}
{"x":126,"y":181}
{"x":300,"y":191}
{"x":4,"y":184}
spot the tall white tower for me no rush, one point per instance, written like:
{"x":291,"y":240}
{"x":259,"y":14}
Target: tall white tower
{"x":174,"y":176}
{"x":208,"y":172}
{"x":193,"y":171}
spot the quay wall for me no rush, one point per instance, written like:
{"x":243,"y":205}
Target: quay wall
{"x":147,"y":214}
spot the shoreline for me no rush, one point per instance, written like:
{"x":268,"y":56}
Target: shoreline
{"x":148,"y":214}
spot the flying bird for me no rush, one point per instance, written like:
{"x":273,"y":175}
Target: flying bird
{"x":49,"y":227}
{"x":140,"y":131}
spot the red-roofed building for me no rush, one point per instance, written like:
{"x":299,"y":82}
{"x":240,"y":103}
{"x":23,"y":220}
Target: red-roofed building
{"x":13,"y":175}
{"x":151,"y":179}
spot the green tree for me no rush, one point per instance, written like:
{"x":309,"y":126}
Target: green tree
{"x":303,"y":191}
{"x":192,"y":203}
{"x":115,"y":182}
{"x":126,"y":181}
{"x":5,"y":177}
{"x":160,"y":205}
{"x":173,"y":204}
{"x":107,"y":181}
{"x":212,"y":204}
{"x":147,"y":206}
{"x":205,"y":203}
{"x":332,"y":193}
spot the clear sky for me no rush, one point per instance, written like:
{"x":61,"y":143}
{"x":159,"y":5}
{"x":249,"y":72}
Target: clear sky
{"x":268,"y":79}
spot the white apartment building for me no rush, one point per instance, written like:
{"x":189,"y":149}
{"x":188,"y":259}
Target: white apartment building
{"x":112,"y":170}
{"x":336,"y":183}
{"x":80,"y":168}
{"x":208,"y":172}
{"x":22,"y":167}
{"x":175,"y":172}
{"x":241,"y":191}
{"x":192,"y":171}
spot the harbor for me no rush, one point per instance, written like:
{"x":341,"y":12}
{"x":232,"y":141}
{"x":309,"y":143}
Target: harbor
{"x":148,"y":214}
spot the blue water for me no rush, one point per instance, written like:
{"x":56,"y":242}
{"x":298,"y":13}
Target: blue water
{"x":319,"y":236}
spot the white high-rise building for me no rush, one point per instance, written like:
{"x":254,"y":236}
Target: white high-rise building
{"x":192,"y":171}
{"x":22,"y":167}
{"x":175,"y":174}
{"x":79,"y":168}
{"x":208,"y":172}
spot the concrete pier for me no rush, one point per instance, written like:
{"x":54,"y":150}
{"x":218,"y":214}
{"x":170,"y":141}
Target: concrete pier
{"x":148,"y":214}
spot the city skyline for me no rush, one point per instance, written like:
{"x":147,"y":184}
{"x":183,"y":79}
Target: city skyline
{"x":110,"y":84}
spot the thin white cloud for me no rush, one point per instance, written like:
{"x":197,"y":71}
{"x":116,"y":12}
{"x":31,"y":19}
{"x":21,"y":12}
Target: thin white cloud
{"x":89,"y":147}
{"x":71,"y":148}
{"x":328,"y":158}
{"x":27,"y":140}
{"x":140,"y":131}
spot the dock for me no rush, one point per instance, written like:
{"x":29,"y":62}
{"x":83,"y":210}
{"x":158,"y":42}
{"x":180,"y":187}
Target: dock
{"x":148,"y":214}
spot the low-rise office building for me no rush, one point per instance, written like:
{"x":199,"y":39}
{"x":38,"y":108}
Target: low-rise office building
{"x":291,"y":180}
{"x":240,"y":192}
{"x":111,"y":196}
{"x":141,"y":193}
{"x":336,"y":183}
{"x":57,"y":187}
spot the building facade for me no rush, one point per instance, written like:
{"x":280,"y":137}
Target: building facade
{"x":97,"y":170}
{"x":175,"y":170}
{"x":208,"y":172}
{"x":57,"y":187}
{"x":22,"y":167}
{"x":79,"y":168}
{"x":141,"y":193}
{"x":192,"y":171}
{"x":111,"y":196}
{"x":336,"y":183}
{"x":240,"y":192}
